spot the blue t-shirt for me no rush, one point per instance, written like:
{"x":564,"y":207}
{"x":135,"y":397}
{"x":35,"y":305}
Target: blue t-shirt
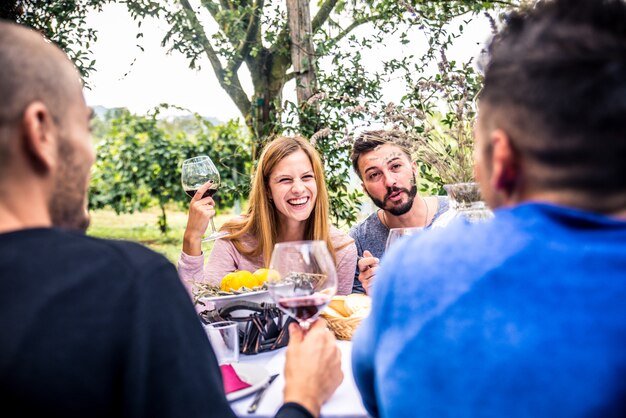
{"x":524,"y":316}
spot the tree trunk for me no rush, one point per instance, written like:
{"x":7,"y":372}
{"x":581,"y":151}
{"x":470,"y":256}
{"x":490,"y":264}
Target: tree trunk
{"x":268,"y":72}
{"x":302,"y":56}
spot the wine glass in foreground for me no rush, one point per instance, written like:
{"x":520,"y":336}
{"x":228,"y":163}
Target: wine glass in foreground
{"x":396,"y":233}
{"x":195,"y":172}
{"x":302,"y":279}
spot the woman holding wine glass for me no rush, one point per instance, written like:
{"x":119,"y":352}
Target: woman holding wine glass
{"x":288,"y":202}
{"x":200,"y":180}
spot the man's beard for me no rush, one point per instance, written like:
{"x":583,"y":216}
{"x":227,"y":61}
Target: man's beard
{"x":67,"y":207}
{"x":397,"y":210}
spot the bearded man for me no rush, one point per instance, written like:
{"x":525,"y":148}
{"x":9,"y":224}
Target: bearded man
{"x":389,"y":177}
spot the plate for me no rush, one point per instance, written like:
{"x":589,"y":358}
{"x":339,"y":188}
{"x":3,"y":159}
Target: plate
{"x":256,"y":376}
{"x":216,"y":302}
{"x":253,"y":295}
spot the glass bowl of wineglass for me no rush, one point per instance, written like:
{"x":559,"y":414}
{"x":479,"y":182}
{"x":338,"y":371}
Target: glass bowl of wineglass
{"x":396,"y":233}
{"x":302,"y":279}
{"x":195,"y":172}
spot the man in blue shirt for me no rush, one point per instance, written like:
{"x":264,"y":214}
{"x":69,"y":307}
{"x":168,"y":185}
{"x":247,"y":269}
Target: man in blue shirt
{"x":524,"y":316}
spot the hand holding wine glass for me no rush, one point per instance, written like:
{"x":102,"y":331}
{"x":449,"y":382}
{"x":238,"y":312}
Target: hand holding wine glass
{"x":198,"y":172}
{"x":302,"y":279}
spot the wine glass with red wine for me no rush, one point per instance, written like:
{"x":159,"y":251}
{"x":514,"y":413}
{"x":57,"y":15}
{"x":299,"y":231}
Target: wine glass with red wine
{"x":302,"y":279}
{"x":195,"y":172}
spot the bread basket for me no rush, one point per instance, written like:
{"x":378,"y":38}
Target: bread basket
{"x":345,"y":313}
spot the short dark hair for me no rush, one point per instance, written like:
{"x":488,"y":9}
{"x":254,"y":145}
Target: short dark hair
{"x":369,"y":140}
{"x":555,"y":81}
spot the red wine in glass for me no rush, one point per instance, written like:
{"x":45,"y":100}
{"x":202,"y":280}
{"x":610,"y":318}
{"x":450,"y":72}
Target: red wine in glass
{"x":196,"y":172}
{"x":305,"y":307}
{"x":304,"y":279}
{"x":209,"y":193}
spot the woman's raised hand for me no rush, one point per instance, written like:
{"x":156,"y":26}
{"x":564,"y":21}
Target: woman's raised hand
{"x":201,"y":210}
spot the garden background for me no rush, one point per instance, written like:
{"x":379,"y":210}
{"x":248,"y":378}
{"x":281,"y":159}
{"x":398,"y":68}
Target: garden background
{"x":326,"y":69}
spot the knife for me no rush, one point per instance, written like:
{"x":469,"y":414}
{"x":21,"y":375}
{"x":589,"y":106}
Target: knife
{"x":257,"y":398}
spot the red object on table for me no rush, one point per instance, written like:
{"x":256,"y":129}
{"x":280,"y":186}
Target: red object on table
{"x":232,"y":382}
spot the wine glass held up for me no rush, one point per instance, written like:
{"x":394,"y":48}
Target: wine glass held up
{"x":302,"y":279}
{"x":195,"y":173}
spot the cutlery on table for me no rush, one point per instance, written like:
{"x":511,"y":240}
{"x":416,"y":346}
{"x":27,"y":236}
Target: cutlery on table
{"x":259,"y":395}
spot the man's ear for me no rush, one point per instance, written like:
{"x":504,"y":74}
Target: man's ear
{"x":415,"y":168}
{"x":504,"y":162}
{"x":39,"y":136}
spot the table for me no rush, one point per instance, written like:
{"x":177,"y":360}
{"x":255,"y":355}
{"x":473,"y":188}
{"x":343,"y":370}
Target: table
{"x":345,"y":402}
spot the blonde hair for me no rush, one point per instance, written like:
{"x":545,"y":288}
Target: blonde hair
{"x":261,"y":221}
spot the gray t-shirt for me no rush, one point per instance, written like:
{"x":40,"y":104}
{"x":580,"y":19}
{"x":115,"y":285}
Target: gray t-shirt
{"x":370,"y":234}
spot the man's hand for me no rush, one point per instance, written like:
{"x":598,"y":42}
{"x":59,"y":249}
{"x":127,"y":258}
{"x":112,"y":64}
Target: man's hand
{"x":201,"y":210}
{"x":313,"y":366}
{"x":368,"y":265}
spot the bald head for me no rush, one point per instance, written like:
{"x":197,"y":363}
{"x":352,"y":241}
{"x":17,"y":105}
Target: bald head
{"x":45,"y":141}
{"x":31,"y":69}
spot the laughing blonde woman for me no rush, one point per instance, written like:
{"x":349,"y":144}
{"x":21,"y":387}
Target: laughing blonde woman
{"x":288,"y":202}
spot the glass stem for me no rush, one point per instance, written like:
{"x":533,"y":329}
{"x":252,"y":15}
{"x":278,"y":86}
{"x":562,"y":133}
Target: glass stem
{"x":213,"y":225}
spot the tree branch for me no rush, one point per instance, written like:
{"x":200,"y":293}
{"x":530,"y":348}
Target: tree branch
{"x":290,"y":76}
{"x":224,"y":5}
{"x":228,"y":80}
{"x":353,"y":25}
{"x":245,"y":45}
{"x":322,"y":14}
{"x":202,"y":37}
{"x":212,"y":7}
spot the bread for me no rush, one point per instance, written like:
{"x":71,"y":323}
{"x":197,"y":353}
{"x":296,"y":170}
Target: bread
{"x":345,"y":313}
{"x":347,"y":306}
{"x":328,"y":311}
{"x":337,"y":303}
{"x":356,"y":303}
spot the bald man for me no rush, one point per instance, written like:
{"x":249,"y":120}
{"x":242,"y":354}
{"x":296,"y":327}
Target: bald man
{"x":90,"y":327}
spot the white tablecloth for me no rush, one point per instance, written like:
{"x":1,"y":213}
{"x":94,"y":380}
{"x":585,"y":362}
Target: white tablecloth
{"x":345,"y":402}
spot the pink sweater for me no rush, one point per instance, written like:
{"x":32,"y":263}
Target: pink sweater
{"x":225,"y":258}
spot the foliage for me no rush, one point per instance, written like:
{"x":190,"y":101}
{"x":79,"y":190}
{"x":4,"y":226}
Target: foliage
{"x":61,"y":21}
{"x":231,"y":34}
{"x":440,"y":119}
{"x":139,"y":163}
{"x":255,"y":33}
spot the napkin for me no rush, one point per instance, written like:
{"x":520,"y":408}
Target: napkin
{"x":232,"y":382}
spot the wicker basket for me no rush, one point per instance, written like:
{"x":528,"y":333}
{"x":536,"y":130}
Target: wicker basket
{"x":342,"y":319}
{"x":343,"y":328}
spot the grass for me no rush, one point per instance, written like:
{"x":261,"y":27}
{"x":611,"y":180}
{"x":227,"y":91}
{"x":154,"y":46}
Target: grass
{"x":142,"y":227}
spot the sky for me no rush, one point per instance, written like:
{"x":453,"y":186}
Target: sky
{"x":139,"y":80}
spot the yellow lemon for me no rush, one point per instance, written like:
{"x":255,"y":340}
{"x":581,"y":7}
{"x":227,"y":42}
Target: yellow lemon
{"x":228,"y":281}
{"x":261,"y":276}
{"x":236,"y":280}
{"x":246,"y":279}
{"x":272,"y":276}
